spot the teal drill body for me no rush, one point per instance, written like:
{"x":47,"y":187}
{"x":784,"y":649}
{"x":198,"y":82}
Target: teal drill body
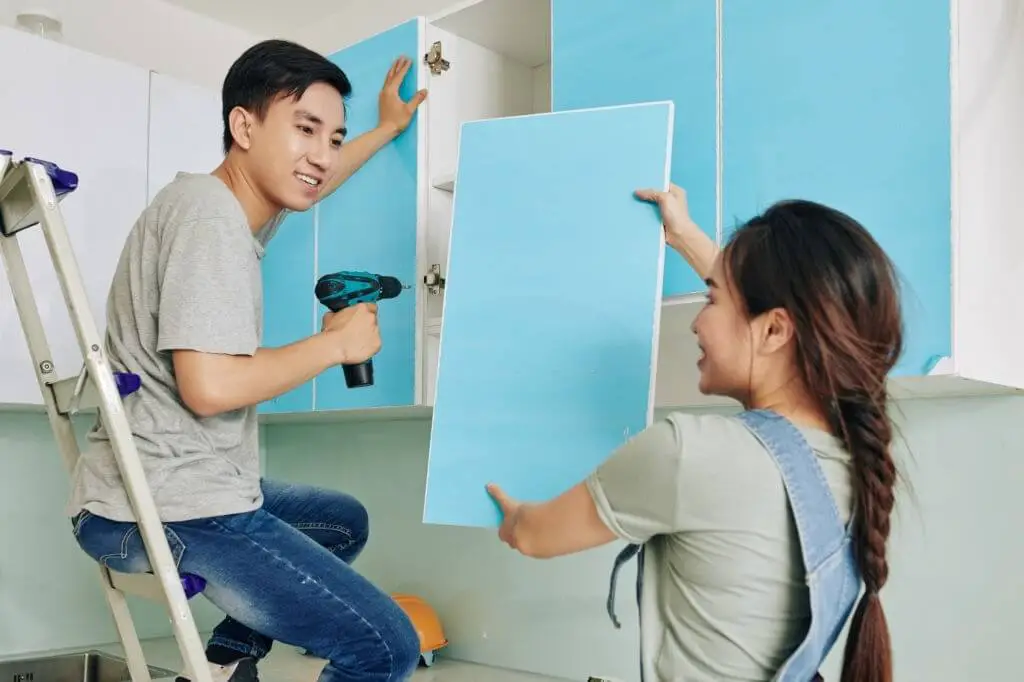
{"x":346,"y":288}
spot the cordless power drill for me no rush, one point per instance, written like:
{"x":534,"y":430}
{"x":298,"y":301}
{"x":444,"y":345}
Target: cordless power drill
{"x":340,"y":290}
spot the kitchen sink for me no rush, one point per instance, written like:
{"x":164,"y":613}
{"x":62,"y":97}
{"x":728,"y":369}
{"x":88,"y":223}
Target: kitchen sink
{"x":86,"y":666}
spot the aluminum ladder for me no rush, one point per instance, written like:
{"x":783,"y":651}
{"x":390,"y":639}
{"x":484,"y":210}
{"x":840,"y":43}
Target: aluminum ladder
{"x":30,"y":193}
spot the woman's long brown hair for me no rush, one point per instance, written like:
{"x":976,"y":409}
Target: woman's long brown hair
{"x":840,"y":290}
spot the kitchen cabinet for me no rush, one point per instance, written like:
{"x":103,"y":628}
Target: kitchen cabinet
{"x":371,"y":223}
{"x":871,"y":108}
{"x":849,"y":104}
{"x":58,"y":107}
{"x":289,"y":306}
{"x":604,"y":52}
{"x":902,"y":115}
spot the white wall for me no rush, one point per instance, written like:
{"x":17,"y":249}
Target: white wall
{"x":150,"y":34}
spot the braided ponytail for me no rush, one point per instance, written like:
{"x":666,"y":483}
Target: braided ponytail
{"x":868,"y":435}
{"x":839,"y":289}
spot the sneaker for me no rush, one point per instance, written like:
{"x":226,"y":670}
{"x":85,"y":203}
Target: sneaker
{"x":243,"y":670}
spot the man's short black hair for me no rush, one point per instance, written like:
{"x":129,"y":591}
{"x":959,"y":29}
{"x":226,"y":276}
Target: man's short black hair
{"x":273,"y":69}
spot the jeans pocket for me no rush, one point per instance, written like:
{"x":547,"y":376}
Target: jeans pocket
{"x":118,"y":545}
{"x":79,"y":521}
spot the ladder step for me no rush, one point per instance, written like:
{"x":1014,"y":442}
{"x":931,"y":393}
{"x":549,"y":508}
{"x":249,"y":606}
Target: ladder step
{"x":147,"y":586}
{"x":89,"y":399}
{"x":18,"y":210}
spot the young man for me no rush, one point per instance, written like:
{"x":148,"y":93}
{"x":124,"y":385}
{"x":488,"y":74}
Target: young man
{"x":185,"y":313}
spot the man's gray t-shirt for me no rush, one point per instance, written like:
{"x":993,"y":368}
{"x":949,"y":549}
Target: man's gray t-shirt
{"x":188,"y":278}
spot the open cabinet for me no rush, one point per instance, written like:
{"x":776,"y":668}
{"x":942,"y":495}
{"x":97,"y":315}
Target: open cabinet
{"x":483,"y":60}
{"x":899,"y":114}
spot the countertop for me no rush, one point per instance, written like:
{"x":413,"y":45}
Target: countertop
{"x":288,"y":664}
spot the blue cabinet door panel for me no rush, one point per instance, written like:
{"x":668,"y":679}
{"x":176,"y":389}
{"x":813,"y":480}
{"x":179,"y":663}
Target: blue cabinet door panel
{"x":288,"y":301}
{"x":605,"y":52}
{"x":552,"y":303}
{"x":369,"y":223}
{"x":847,"y":103}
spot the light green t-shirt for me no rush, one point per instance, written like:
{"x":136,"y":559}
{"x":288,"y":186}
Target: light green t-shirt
{"x":724,"y":592}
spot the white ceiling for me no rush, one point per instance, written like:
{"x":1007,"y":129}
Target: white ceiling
{"x":266,"y":18}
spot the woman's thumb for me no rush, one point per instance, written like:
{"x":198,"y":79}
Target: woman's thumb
{"x":498,"y":494}
{"x":648,"y":194}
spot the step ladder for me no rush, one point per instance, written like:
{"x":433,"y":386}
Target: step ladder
{"x":30,"y":192}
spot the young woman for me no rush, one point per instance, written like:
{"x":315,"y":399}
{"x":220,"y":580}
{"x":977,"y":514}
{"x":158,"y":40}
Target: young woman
{"x":756,"y":532}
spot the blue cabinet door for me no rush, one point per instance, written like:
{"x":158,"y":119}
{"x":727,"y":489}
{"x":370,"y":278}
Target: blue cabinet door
{"x":370,"y":222}
{"x":605,"y":52}
{"x":288,"y":301}
{"x":847,"y":103}
{"x":552,"y":304}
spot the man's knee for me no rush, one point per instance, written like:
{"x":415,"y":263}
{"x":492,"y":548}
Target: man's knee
{"x":399,"y":646}
{"x":406,"y":648}
{"x":360,"y":526}
{"x":392,"y":654}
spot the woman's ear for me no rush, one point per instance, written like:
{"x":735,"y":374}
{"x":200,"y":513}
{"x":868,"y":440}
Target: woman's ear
{"x":777,"y":330}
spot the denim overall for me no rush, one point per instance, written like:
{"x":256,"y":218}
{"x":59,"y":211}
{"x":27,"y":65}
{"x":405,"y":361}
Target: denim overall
{"x":826,"y":545}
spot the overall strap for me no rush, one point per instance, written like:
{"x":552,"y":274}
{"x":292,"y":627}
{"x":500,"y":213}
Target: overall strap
{"x":818,"y":524}
{"x":627,"y":553}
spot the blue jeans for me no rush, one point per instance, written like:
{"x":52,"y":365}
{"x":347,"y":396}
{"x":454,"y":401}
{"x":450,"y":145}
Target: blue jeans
{"x":281,"y":573}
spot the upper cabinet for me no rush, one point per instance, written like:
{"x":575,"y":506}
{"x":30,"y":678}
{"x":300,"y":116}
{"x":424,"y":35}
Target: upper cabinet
{"x":849,"y":104}
{"x":289,"y":306}
{"x":905,"y":115}
{"x":371,"y":223}
{"x":870,"y":107}
{"x":393,"y":217}
{"x":185,"y":130}
{"x":88,"y":114}
{"x":483,"y":60}
{"x":909,"y":123}
{"x":605,"y":52}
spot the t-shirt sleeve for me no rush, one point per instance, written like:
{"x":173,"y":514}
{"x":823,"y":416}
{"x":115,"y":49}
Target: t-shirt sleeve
{"x":636,"y":490}
{"x":207,"y":298}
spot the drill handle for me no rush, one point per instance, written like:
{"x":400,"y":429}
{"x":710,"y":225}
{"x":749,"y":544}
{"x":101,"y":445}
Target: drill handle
{"x":357,"y":376}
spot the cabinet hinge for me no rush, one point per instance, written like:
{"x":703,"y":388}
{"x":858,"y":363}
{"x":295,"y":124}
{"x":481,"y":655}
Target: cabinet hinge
{"x":433,"y":279}
{"x":435,"y":60}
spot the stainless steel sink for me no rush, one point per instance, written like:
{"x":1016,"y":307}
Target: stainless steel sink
{"x":87,"y":666}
